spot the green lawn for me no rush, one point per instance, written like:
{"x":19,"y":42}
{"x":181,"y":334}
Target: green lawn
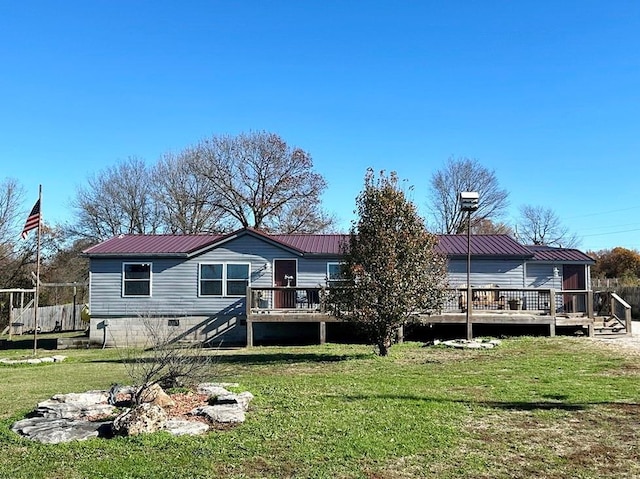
{"x":534,"y":407}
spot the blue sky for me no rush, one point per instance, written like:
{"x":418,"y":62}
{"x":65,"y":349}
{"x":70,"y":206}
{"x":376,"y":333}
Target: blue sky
{"x":545,"y":93}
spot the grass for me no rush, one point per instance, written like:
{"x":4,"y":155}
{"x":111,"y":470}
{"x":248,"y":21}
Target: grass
{"x":534,"y":407}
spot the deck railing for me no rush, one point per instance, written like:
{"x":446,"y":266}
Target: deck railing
{"x":539,"y":300}
{"x":621,"y":311}
{"x":315,"y":299}
{"x":297,"y":299}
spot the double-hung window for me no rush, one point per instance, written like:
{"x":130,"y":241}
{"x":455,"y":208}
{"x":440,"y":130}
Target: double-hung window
{"x":334,"y":274}
{"x":136,"y":279}
{"x":224,"y":279}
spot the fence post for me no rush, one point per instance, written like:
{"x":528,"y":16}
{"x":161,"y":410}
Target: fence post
{"x":10,"y":314}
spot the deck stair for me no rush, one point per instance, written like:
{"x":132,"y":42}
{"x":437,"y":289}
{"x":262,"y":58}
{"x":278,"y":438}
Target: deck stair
{"x":617,"y":318}
{"x":609,"y":326}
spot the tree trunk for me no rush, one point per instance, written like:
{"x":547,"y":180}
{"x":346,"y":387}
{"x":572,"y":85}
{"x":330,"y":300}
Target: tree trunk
{"x":383,"y":347}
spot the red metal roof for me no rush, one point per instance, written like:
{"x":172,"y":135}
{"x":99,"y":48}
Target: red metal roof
{"x":321,"y":244}
{"x":482,"y":245}
{"x":314,"y":244}
{"x":550,"y":253}
{"x":152,"y":244}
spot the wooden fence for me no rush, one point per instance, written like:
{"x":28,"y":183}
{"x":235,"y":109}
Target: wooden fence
{"x":50,"y":318}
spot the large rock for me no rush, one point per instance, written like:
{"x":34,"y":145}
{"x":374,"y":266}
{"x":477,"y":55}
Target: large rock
{"x":221,"y":413}
{"x":212,"y":389}
{"x":75,"y":406}
{"x":54,"y":431}
{"x":144,"y":418}
{"x":241,"y":400}
{"x":154,"y":394}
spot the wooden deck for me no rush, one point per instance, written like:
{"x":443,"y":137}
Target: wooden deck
{"x":303,"y":310}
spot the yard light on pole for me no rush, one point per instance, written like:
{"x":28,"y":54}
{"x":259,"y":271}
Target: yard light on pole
{"x":469,"y":202}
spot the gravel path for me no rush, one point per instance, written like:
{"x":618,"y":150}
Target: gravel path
{"x":627,"y":342}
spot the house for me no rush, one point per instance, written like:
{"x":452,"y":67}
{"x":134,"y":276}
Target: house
{"x":196,"y":286}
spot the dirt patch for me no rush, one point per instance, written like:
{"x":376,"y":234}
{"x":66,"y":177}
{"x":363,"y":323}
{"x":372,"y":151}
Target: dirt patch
{"x":598,"y":442}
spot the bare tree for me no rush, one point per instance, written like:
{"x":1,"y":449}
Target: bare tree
{"x":15,"y":255}
{"x":185,"y":199}
{"x":460,"y":175}
{"x":488,"y":227}
{"x":261,"y":182}
{"x":117,"y":200}
{"x":541,"y":226}
{"x":11,"y":198}
{"x":163,"y":361}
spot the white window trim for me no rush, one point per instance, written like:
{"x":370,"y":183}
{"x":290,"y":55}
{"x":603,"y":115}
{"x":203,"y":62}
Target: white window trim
{"x":224,"y":278}
{"x":124,"y":280}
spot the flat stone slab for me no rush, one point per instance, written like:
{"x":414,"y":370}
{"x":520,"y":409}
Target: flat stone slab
{"x":466,"y":344}
{"x":52,"y":359}
{"x":180,"y":427}
{"x":222,"y":413}
{"x":54,"y":431}
{"x":212,"y":389}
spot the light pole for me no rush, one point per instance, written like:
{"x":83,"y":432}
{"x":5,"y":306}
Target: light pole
{"x":469,"y":202}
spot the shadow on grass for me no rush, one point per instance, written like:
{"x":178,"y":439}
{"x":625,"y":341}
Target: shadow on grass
{"x":553,"y":405}
{"x":43,"y":343}
{"x":254,"y":359}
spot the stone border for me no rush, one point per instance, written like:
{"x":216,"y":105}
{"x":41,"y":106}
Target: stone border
{"x":71,"y":417}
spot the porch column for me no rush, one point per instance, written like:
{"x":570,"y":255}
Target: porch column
{"x":249,"y":333}
{"x":323,"y":332}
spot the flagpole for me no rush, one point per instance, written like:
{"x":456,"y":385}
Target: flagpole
{"x":35,"y":301}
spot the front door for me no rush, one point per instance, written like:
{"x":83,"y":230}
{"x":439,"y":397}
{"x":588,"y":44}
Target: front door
{"x":285,"y":273}
{"x":573,"y":278}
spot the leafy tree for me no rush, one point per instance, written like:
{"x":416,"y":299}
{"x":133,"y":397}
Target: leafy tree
{"x":458,"y":175}
{"x":617,"y":263}
{"x":541,"y":226}
{"x":261,"y":182}
{"x":390,"y":265}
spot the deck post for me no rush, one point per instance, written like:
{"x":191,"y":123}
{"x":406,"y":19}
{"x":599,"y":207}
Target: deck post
{"x":323,"y":332}
{"x":249,"y":333}
{"x":627,"y":321}
{"x":552,"y":327}
{"x":590,"y":304}
{"x":552,"y":302}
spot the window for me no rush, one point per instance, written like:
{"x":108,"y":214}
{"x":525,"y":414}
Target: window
{"x":224,"y":279}
{"x":136,"y":279}
{"x":334,"y":274}
{"x":211,"y":279}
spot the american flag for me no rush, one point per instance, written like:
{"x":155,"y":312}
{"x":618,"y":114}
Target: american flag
{"x":33,"y":220}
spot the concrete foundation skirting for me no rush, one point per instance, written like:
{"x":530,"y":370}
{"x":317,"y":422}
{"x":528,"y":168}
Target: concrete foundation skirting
{"x":140,"y":332}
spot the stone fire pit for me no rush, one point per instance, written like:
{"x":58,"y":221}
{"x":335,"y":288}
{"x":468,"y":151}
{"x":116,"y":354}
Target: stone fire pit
{"x":79,"y":416}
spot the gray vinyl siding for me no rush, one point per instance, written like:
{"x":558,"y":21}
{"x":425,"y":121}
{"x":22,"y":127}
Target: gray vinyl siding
{"x":174,"y":290}
{"x":540,"y":275}
{"x":504,"y":273}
